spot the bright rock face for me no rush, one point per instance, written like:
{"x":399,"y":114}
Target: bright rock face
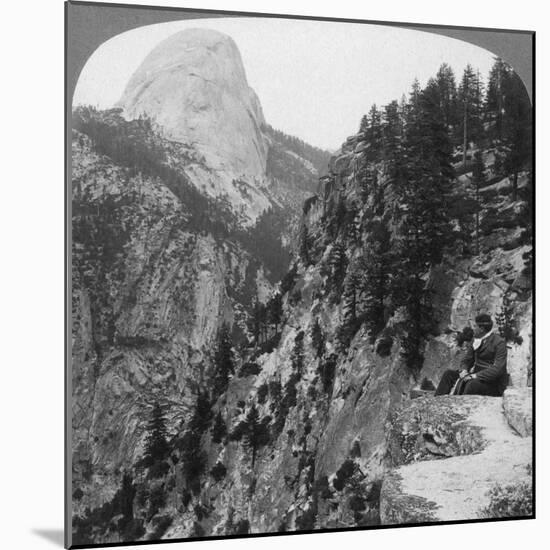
{"x":193,"y":85}
{"x":161,"y":254}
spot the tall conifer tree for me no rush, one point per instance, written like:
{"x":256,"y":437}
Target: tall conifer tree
{"x":156,"y":441}
{"x":447,"y":95}
{"x":470,"y":109}
{"x":423,"y":214}
{"x":224,"y":364}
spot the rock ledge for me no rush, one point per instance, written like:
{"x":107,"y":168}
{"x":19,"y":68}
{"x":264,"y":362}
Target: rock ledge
{"x":449,"y":452}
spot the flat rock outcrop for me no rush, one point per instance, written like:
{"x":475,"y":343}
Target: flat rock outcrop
{"x":450,"y":453}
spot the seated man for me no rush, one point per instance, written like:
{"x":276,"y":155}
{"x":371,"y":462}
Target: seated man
{"x":483,"y":367}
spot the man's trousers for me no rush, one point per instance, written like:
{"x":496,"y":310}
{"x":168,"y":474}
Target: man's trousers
{"x":470,"y":387}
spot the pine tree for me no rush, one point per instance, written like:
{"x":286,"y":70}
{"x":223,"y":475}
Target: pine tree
{"x":508,"y":109}
{"x":413,"y":105}
{"x":275,"y":310}
{"x":374,"y":268}
{"x":218,"y":471}
{"x":256,"y":433}
{"x":287,"y":282}
{"x":337,"y":262}
{"x":350,"y":222}
{"x":420,"y":319}
{"x":257,"y":320}
{"x":527,"y":214}
{"x":478,"y":181}
{"x":494,"y":103}
{"x":396,"y":122}
{"x":364,"y":125}
{"x":193,"y":457}
{"x":516,"y":128}
{"x":373,"y":133}
{"x":392,"y":130}
{"x":478,"y":130}
{"x":447,"y":95}
{"x":126,"y":497}
{"x":350,"y":323}
{"x":470,"y":109}
{"x":318,"y":339}
{"x":423,"y":194}
{"x":335,"y":216}
{"x":262,"y":313}
{"x":202,"y":412}
{"x":403,"y":108}
{"x":423,"y":215}
{"x":156,"y":441}
{"x":297,"y":356}
{"x":367,"y":180}
{"x":219,"y":430}
{"x":224,"y":364}
{"x":327,"y":370}
{"x":506,"y":321}
{"x":304,"y":246}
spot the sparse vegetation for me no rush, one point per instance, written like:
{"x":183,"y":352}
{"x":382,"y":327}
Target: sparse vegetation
{"x":224,"y":362}
{"x":506,"y":321}
{"x":193,"y":457}
{"x":249,"y":369}
{"x":253,"y":431}
{"x":218,"y":471}
{"x":263,"y":391}
{"x":100,"y":518}
{"x":318,"y":339}
{"x":510,"y":501}
{"x":346,"y":470}
{"x":327,"y":371}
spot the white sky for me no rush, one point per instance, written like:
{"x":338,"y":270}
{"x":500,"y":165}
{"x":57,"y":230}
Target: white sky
{"x":315,"y":79}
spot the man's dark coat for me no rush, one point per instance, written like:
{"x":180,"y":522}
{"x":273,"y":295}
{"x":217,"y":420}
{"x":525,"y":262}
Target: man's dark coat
{"x":489,"y":361}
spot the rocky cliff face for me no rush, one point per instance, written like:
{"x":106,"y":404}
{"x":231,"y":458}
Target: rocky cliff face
{"x":163,"y":257}
{"x":146,"y":309}
{"x":347,"y":446}
{"x":193,"y":85}
{"x":336,"y":462}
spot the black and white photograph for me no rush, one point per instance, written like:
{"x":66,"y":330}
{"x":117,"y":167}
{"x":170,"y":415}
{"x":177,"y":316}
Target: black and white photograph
{"x":300,"y":275}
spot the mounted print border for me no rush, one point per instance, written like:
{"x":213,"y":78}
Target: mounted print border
{"x":300,"y":274}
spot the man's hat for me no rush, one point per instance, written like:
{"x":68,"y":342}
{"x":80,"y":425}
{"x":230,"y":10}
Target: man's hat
{"x":484,"y":320}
